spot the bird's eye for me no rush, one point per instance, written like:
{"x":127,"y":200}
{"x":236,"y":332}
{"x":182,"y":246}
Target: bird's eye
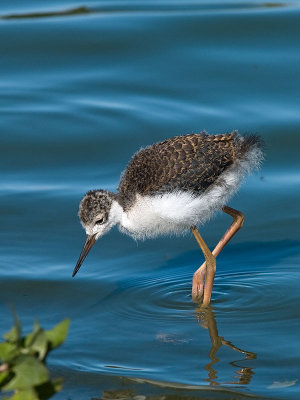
{"x":100,"y":221}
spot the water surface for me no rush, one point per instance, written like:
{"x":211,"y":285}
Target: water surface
{"x":83,"y":86}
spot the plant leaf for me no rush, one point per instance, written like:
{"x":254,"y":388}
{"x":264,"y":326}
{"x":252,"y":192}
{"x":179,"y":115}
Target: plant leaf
{"x":8,"y":351}
{"x":37,"y":341}
{"x":12,"y":336}
{"x":31,"y":336}
{"x":28,"y":372}
{"x":15,"y":334}
{"x":57,"y":335}
{"x":27,"y":394}
{"x":3,"y":376}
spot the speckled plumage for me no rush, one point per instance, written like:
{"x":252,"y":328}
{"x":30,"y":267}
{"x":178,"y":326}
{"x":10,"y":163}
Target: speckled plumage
{"x":93,"y":202}
{"x":186,"y":163}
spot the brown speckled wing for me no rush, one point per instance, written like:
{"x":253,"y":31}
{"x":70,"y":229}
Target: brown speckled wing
{"x":190,"y":162}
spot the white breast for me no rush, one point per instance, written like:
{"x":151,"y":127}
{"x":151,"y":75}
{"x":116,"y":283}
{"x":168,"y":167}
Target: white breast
{"x":151,"y":216}
{"x":171,"y":213}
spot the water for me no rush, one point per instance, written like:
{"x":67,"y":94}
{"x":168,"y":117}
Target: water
{"x":83,"y":86}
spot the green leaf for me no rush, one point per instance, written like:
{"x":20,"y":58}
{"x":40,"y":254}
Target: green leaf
{"x":31,"y":336}
{"x":12,"y":336}
{"x":3,"y":376}
{"x":37,"y":341}
{"x":15,"y":334}
{"x":27,"y":394}
{"x":28,"y":372}
{"x":57,"y":335}
{"x":8,"y":351}
{"x":40,"y":345}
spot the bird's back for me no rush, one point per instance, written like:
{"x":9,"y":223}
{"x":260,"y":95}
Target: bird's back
{"x":188,"y":163}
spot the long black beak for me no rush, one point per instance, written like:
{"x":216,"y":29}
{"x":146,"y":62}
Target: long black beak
{"x":90,"y":240}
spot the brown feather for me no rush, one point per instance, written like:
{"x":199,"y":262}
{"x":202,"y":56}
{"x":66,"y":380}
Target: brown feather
{"x":190,"y":163}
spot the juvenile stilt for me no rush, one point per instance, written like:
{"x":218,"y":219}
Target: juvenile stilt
{"x":200,"y":274}
{"x":170,"y":187}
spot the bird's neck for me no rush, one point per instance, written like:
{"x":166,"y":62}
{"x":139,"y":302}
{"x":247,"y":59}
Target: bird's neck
{"x":116,"y":213}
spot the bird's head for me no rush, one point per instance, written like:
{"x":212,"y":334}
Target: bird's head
{"x":99,"y":211}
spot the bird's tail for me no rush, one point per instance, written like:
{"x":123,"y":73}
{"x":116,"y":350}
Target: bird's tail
{"x":251,"y":149}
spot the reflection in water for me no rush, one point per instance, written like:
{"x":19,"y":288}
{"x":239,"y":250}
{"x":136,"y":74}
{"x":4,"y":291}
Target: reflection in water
{"x":207,"y":320}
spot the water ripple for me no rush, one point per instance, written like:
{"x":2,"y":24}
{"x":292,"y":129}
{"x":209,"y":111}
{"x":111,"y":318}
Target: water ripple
{"x":258,"y":295}
{"x":250,"y":295}
{"x":153,"y":299}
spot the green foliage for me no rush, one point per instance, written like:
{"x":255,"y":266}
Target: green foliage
{"x":22,"y":361}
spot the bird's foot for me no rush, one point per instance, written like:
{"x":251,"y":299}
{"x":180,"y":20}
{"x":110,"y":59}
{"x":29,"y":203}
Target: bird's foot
{"x":198,"y":283}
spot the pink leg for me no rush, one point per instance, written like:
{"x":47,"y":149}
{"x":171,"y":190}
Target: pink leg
{"x":199,"y":275}
{"x":210,"y":260}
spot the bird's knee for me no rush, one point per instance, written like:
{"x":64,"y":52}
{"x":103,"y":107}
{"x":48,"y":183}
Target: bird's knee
{"x":239,"y":218}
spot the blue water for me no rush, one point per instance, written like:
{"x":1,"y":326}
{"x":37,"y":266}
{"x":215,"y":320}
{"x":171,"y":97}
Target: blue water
{"x":83,"y":86}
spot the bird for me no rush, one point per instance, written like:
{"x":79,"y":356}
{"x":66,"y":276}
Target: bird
{"x":170,"y":188}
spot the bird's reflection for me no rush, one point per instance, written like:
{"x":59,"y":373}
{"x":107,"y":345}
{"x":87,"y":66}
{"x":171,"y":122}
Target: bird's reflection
{"x":207,"y":319}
